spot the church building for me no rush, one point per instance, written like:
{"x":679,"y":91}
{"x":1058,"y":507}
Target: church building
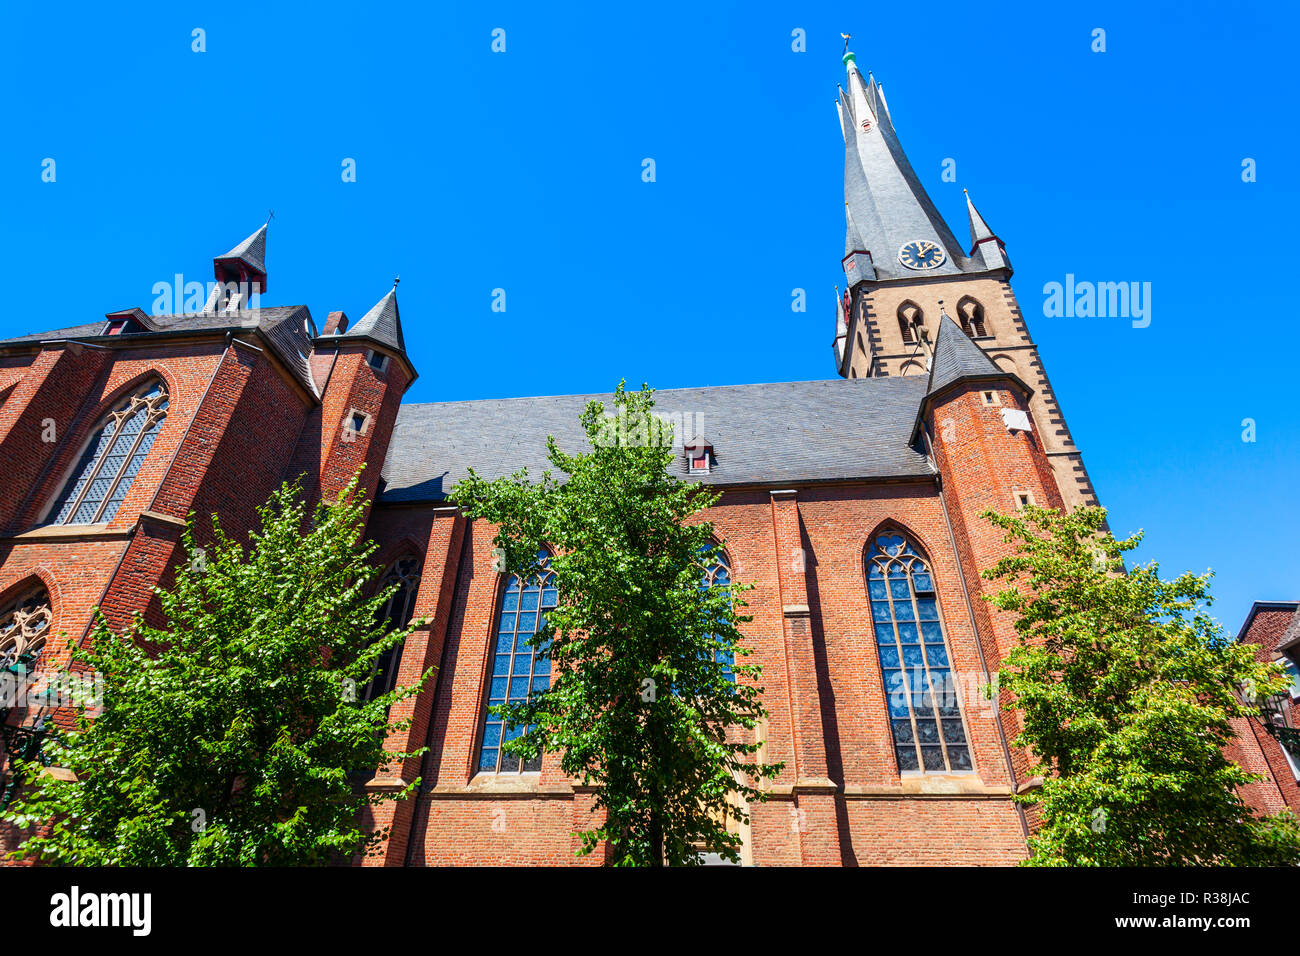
{"x":850,"y":504}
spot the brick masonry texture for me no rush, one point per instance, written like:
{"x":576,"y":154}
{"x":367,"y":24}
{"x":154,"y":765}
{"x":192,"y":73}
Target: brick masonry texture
{"x":239,"y":422}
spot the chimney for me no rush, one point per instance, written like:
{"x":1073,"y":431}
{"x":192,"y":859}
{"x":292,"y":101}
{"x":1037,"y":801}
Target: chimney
{"x":336,"y":324}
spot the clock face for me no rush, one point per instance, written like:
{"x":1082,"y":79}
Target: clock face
{"x":921,"y":254}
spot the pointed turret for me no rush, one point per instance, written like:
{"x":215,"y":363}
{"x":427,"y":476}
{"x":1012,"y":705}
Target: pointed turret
{"x":957,"y":357}
{"x":240,"y":275}
{"x":984,"y":244}
{"x":382,"y":324}
{"x":380,"y":330}
{"x":246,"y":262}
{"x":890,"y":216}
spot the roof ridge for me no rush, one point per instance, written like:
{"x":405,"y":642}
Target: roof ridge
{"x":838,"y":382}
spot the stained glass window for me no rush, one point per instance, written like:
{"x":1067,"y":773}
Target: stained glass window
{"x":718,"y":574}
{"x":103,"y":475}
{"x":24,"y":626}
{"x":920,"y":691}
{"x":396,"y":612}
{"x":517,"y":670}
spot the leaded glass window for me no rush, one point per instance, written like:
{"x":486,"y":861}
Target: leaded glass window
{"x":103,"y":475}
{"x":24,"y":625}
{"x":718,"y":574}
{"x":924,"y":710}
{"x":396,"y":613}
{"x":517,"y":670}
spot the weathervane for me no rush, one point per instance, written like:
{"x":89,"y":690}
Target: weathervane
{"x":847,"y":38}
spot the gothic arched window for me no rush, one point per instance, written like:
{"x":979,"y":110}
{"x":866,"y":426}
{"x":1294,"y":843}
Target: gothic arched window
{"x":103,"y":475}
{"x":910,"y":320}
{"x":717,"y":573}
{"x":396,"y":613}
{"x":24,"y":625}
{"x":972,"y":316}
{"x":920,"y":691}
{"x":518,"y":670}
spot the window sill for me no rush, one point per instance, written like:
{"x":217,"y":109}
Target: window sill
{"x":502,"y":784}
{"x":71,"y":532}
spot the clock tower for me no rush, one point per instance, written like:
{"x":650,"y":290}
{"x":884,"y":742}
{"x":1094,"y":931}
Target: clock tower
{"x":904,"y":269}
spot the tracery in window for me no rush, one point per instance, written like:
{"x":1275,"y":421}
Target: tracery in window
{"x":717,"y":573}
{"x":113,"y":456}
{"x":396,"y":612}
{"x":924,"y":709}
{"x":518,"y":670}
{"x":24,"y":626}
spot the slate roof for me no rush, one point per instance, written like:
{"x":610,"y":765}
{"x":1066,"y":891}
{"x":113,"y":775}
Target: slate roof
{"x":382,"y":324}
{"x":251,"y":251}
{"x":769,"y":434}
{"x":886,"y":204}
{"x":285,"y":326}
{"x":956,"y":356}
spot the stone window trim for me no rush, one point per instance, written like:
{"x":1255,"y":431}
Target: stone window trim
{"x":513,"y":670}
{"x":24,"y":626}
{"x":397,"y":613}
{"x":106,"y":467}
{"x":356,"y":423}
{"x":915,"y":659}
{"x":717,"y":573}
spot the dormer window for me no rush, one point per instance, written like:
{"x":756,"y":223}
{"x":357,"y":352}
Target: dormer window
{"x":376,"y":360}
{"x":122,"y":324}
{"x":699,"y":457}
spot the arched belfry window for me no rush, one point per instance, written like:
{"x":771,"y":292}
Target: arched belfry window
{"x":517,"y":670}
{"x":24,"y":626}
{"x":910,"y":320}
{"x":716,"y":572}
{"x":396,"y":613}
{"x":920,"y":691}
{"x":103,"y":475}
{"x":972,"y":317}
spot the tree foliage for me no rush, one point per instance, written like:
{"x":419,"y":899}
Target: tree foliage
{"x":1126,"y":690}
{"x":234,"y":734}
{"x":640,"y":705}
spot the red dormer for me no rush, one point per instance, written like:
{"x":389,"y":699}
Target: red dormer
{"x":699,"y":456}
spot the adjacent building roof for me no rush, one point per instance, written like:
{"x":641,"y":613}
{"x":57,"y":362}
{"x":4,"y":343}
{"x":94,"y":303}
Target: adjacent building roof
{"x":788,"y":432}
{"x":1289,"y":636}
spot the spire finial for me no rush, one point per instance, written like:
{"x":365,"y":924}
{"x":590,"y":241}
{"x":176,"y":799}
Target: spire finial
{"x":848,"y":54}
{"x":396,"y":279}
{"x":270,"y":214}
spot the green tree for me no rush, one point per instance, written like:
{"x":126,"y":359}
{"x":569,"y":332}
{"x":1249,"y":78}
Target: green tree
{"x":641,"y":699}
{"x":1126,"y":689}
{"x":235,"y":734}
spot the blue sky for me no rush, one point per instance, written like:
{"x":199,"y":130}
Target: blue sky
{"x":522,"y":170}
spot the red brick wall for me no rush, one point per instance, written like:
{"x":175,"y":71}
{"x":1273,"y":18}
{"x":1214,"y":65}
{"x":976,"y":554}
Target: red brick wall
{"x":840,"y":798}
